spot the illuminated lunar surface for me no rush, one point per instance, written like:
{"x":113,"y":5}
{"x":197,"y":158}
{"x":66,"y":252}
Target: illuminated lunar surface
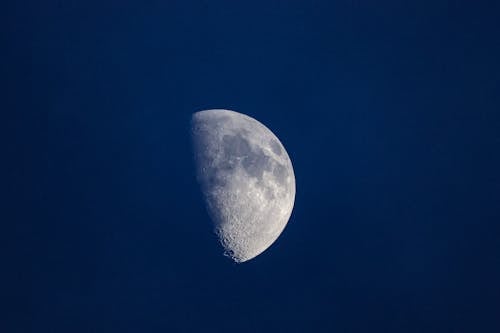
{"x":246,"y":178}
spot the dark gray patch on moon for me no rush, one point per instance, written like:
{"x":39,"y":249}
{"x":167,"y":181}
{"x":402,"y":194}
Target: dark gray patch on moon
{"x":281,"y":173}
{"x":235,"y":146}
{"x":256,"y":163}
{"x":275,"y":146}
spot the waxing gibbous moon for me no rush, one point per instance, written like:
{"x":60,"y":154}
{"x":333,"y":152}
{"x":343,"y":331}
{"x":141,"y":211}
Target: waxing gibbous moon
{"x":246,"y":178}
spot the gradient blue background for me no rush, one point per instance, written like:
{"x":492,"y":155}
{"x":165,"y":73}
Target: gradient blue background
{"x":390,"y":111}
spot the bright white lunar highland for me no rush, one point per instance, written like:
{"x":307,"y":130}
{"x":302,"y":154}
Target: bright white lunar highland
{"x":246,"y":178}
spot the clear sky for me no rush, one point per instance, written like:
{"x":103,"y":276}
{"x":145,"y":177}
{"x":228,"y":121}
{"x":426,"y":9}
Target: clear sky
{"x":389,"y":110}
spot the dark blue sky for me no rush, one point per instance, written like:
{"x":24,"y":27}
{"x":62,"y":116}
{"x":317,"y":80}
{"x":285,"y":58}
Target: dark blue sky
{"x":389,"y":111}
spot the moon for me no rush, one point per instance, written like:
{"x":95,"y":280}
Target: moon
{"x":246,"y":178}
